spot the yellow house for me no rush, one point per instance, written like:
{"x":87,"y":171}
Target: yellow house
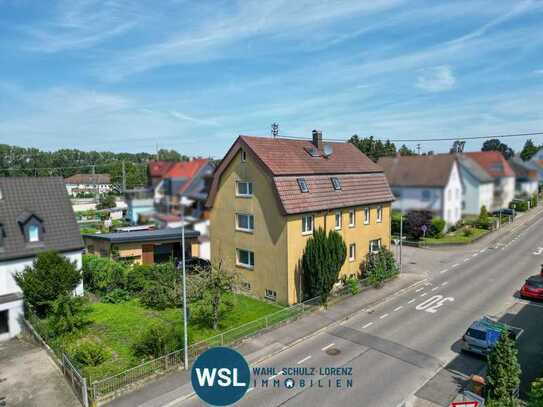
{"x":268,"y":196}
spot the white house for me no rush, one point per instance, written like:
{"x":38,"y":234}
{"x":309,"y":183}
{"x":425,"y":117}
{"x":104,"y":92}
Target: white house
{"x":499,"y":169}
{"x":478,"y":186}
{"x":426,"y":183}
{"x":537,"y":161}
{"x":88,"y":183}
{"x":35,"y":216}
{"x":526,"y":177}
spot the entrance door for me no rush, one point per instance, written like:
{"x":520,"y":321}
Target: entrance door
{"x":148,"y":254}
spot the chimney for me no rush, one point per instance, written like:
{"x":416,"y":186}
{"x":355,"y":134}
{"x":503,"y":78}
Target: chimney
{"x":317,"y":139}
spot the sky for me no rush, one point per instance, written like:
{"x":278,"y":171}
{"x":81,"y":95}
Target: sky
{"x":192,"y":75}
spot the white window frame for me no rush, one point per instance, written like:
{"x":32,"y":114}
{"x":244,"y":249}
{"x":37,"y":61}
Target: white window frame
{"x":270,"y":294}
{"x":338,"y":216}
{"x":379,"y":214}
{"x":244,"y":265}
{"x":305,"y":230}
{"x":367,"y":216}
{"x":352,"y":218}
{"x":352,"y":252}
{"x":371,"y":245}
{"x":242,"y":229}
{"x":249,"y":185}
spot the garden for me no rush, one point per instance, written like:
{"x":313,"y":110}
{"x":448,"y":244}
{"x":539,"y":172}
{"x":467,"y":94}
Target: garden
{"x":130,"y":313}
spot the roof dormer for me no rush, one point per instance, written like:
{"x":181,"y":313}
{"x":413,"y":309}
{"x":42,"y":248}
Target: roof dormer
{"x":31,"y":226}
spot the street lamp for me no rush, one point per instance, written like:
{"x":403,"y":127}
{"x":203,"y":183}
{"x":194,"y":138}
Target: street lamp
{"x":184,"y":202}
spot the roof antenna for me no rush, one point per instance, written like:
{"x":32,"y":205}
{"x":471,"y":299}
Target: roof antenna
{"x":275,"y":130}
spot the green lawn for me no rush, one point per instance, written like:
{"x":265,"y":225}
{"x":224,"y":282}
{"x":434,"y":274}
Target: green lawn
{"x":117,"y":326}
{"x":457,"y":237}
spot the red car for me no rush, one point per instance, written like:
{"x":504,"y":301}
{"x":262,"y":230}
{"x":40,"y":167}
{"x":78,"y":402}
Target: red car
{"x":533,"y":288}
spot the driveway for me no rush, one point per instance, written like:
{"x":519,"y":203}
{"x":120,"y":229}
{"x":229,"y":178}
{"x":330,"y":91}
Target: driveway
{"x":30,"y":379}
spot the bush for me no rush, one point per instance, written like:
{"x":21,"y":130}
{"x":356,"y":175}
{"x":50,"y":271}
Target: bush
{"x":379,"y":266}
{"x":50,"y":276}
{"x":163,"y":289}
{"x":137,"y":277}
{"x":116,"y":296}
{"x":467,"y":231}
{"x":535,"y":397}
{"x":68,"y":314}
{"x":437,"y":227}
{"x":88,"y":353}
{"x":157,"y":340}
{"x":102,"y":274}
{"x":415,"y":222}
{"x":353,"y":285}
{"x":519,"y":205}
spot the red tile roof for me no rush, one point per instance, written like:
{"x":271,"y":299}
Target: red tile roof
{"x":187,"y":169}
{"x":418,"y":170}
{"x":159,"y":168}
{"x":493,"y":162}
{"x":283,"y":160}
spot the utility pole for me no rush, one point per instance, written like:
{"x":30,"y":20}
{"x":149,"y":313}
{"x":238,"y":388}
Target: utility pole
{"x":401,"y":238}
{"x":418,"y":149}
{"x":185,"y":324}
{"x":124,"y":177}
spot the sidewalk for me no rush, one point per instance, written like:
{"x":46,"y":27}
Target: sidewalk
{"x":174,"y":386}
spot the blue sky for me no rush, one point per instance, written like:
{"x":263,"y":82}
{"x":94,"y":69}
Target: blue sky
{"x":192,"y":75}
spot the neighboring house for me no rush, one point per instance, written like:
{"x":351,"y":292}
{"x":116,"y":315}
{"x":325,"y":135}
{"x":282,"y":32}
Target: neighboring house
{"x":526,"y":177}
{"x":537,"y":160}
{"x":143,"y":246}
{"x":139,"y":205}
{"x":183,"y":191}
{"x":88,"y":183}
{"x":426,"y":182}
{"x":35,"y":216}
{"x":499,"y":169}
{"x":268,"y":196}
{"x":478,"y":186}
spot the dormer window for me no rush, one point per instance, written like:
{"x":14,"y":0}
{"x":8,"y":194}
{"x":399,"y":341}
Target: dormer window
{"x":31,"y":226}
{"x":303,"y":185}
{"x":33,"y":233}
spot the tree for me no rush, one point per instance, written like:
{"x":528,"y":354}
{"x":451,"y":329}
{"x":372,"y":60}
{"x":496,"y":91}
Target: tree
{"x":171,"y":155}
{"x":529,"y":150}
{"x":457,"y":147}
{"x":404,"y":150}
{"x":50,"y":276}
{"x":322,"y":260}
{"x":106,"y":201}
{"x":68,"y":314}
{"x":372,"y":148}
{"x":211,"y":289}
{"x":497,"y":145}
{"x":503,"y":374}
{"x":162,"y":288}
{"x":535,"y":397}
{"x":416,"y":220}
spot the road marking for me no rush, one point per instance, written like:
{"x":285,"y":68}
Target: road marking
{"x":455,"y":265}
{"x":251,"y":389}
{"x":474,"y":254}
{"x":419,"y":290}
{"x":412,"y":301}
{"x":435,"y":288}
{"x":383,"y":316}
{"x":367,"y":325}
{"x":327,"y":347}
{"x":483,"y":250}
{"x":275,"y":375}
{"x":433,"y":304}
{"x":528,"y":302}
{"x":444,"y":271}
{"x":398,"y":308}
{"x":304,"y":359}
{"x":424,"y":294}
{"x":444,"y":283}
{"x":466,"y":259}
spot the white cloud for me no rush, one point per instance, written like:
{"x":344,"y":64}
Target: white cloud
{"x":538,"y":71}
{"x":436,"y":79}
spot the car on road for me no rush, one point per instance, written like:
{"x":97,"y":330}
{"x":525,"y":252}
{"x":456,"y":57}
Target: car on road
{"x":533,"y":288}
{"x":483,"y":334}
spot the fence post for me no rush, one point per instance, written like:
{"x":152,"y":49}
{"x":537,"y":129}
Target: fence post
{"x":85,"y":394}
{"x":267,"y":321}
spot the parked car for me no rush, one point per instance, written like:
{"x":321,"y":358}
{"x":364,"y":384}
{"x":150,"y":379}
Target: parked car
{"x":195,"y":264}
{"x":504,"y":212}
{"x":533,"y":288}
{"x":483,"y":334}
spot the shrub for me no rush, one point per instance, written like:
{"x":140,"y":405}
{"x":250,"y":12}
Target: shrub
{"x":379,"y":266}
{"x":102,"y":274}
{"x":89,"y":353}
{"x":415,"y":222}
{"x":68,"y":314}
{"x":353,"y":285}
{"x":163,"y":289}
{"x":437,"y":227}
{"x":535,"y":397}
{"x":137,"y":276}
{"x":503,"y":372}
{"x":467,"y":231}
{"x":50,"y":276}
{"x":519,"y":205}
{"x":158,"y":339}
{"x":116,"y":296}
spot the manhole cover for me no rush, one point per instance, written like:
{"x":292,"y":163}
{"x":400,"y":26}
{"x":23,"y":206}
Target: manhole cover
{"x":333,"y":351}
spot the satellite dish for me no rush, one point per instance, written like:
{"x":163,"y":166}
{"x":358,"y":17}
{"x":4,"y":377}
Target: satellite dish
{"x":327,"y":150}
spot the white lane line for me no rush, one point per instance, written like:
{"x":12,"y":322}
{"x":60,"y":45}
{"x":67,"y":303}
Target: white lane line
{"x":419,"y":290}
{"x":466,"y":259}
{"x":383,"y":316}
{"x":412,"y":301}
{"x":435,"y":288}
{"x":398,"y":308}
{"x":482,"y":250}
{"x":327,"y":347}
{"x":444,"y":271}
{"x":444,"y":283}
{"x":455,"y":265}
{"x":367,"y":325}
{"x":304,"y":359}
{"x":474,"y":254}
{"x":424,"y":294}
{"x":251,"y":389}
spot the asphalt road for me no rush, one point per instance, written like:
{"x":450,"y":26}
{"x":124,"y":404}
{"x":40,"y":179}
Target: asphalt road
{"x":399,"y":346}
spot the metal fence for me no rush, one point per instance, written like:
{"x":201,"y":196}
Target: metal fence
{"x":107,"y":387}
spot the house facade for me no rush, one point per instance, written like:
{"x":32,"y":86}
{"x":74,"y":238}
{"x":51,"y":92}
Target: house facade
{"x":537,"y":160}
{"x":269,"y":195}
{"x":496,"y":166}
{"x":478,"y":186}
{"x":431,"y":183}
{"x":88,"y":183}
{"x":35,"y":216}
{"x":526,"y":177}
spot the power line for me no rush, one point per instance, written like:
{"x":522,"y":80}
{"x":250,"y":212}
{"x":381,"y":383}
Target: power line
{"x":69,"y":167}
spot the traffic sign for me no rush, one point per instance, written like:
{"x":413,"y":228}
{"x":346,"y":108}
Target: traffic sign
{"x":465,"y":404}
